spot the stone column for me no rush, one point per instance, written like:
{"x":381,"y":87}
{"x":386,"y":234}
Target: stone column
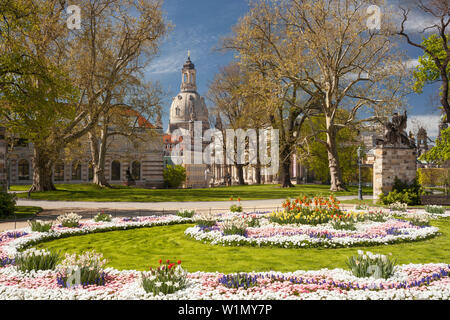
{"x":391,"y":162}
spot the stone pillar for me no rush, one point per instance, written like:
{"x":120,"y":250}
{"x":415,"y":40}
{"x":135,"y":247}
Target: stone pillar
{"x":3,"y":150}
{"x":391,"y":162}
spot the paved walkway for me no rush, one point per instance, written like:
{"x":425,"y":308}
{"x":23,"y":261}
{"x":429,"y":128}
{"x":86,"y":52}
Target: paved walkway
{"x":157,"y":206}
{"x":88,"y":209}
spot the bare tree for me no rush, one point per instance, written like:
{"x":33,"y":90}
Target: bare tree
{"x":116,"y":41}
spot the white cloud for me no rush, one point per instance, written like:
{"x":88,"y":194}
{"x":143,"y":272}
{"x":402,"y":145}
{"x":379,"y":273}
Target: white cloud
{"x":417,"y":19}
{"x":429,"y":122}
{"x":168,"y":63}
{"x":412,"y":63}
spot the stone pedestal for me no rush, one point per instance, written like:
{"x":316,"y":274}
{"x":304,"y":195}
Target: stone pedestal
{"x":391,"y":162}
{"x":3,"y":149}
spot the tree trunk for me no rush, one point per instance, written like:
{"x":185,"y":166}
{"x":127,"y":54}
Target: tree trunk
{"x":333,"y":158}
{"x":258,"y":173}
{"x":285,"y":167}
{"x":240,"y":172}
{"x":42,"y":172}
{"x":98,"y":154}
{"x":258,"y":161}
{"x":445,"y":95}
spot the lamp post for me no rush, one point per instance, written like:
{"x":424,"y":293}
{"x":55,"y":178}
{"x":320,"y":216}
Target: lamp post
{"x":360,"y":197}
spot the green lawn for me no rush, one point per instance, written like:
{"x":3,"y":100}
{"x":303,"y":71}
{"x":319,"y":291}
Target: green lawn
{"x":141,"y":248}
{"x":90,"y":192}
{"x":23,"y":212}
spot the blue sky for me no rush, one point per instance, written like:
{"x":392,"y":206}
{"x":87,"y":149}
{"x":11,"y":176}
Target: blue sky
{"x":200,"y":24}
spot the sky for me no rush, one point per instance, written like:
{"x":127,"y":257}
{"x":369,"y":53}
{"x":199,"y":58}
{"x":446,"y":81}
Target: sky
{"x":198,"y":26}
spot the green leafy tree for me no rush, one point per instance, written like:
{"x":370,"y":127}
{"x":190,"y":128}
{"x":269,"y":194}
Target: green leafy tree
{"x":434,"y":65}
{"x":427,"y":71}
{"x":174,"y":176}
{"x":440,"y":153}
{"x":315,"y":155}
{"x":7,"y":204}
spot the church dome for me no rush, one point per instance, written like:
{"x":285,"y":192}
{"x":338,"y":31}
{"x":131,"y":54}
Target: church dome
{"x":186,"y":104}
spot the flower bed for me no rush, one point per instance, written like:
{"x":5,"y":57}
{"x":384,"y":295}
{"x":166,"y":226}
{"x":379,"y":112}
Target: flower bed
{"x":303,"y":236}
{"x":428,"y":281}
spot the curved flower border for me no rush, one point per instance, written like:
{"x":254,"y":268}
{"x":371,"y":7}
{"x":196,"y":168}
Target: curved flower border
{"x":313,"y":236}
{"x":413,"y":281}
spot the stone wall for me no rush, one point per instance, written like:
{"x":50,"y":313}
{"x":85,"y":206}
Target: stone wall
{"x":3,"y":149}
{"x":391,"y":162}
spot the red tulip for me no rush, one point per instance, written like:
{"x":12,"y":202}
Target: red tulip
{"x":167,"y":261}
{"x":160,"y":261}
{"x":179,"y":261}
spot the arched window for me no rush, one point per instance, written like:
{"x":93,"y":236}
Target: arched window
{"x":76,"y":171}
{"x":177,"y":111}
{"x":59,"y":171}
{"x":136,"y":170}
{"x":24,"y":170}
{"x":115,"y":170}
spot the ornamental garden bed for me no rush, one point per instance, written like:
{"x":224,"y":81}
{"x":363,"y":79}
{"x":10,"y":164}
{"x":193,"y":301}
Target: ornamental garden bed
{"x":39,"y":274}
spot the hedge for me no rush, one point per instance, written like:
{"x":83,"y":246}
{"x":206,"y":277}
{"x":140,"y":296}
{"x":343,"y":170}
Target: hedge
{"x":433,"y":177}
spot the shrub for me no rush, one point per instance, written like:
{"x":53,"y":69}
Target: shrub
{"x":186,"y":213}
{"x":69,"y":220}
{"x":307,"y":211}
{"x":206,"y":219}
{"x":33,"y":259}
{"x":167,"y":278}
{"x":103,"y":217}
{"x":371,"y":265}
{"x":435,"y":209}
{"x":85,"y":269}
{"x":40,"y":226}
{"x":174,"y":176}
{"x":236,"y":208}
{"x":434,"y":177}
{"x":7,"y":204}
{"x":403,"y":192}
{"x":236,"y":225}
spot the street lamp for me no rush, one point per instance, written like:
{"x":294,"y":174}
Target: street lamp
{"x":360,"y":197}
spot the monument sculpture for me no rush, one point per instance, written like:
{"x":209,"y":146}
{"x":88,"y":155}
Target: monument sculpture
{"x":395,"y":132}
{"x":395,"y":156}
